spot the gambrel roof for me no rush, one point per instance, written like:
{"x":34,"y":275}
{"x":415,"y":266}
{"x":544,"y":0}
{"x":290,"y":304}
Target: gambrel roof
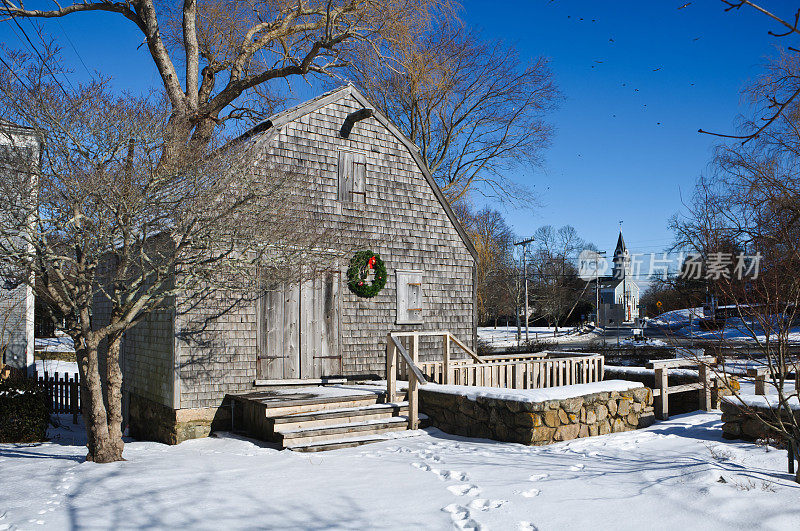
{"x":271,"y":127}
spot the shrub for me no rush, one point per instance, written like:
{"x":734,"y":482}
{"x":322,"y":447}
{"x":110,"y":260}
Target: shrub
{"x":24,"y":413}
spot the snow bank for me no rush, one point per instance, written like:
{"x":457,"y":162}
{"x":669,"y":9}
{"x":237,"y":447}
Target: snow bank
{"x":56,"y":366}
{"x":534,"y":395}
{"x":54,"y":344}
{"x":762,"y":402}
{"x":644,"y":371}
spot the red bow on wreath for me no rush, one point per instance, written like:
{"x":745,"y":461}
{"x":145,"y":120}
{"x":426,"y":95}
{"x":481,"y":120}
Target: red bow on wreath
{"x":371,"y":263}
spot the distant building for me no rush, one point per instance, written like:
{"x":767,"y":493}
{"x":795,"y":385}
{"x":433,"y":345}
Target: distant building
{"x":619,"y":292}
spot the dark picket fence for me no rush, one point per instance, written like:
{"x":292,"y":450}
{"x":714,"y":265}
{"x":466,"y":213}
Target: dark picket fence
{"x":63,"y":392}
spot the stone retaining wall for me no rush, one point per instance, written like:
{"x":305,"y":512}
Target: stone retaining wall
{"x":538,"y":423}
{"x":740,"y":422}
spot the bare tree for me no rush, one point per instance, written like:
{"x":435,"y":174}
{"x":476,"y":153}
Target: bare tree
{"x":232,"y":51}
{"x":494,"y":241}
{"x":103,"y":223}
{"x":474,"y":107}
{"x":751,"y":205}
{"x":557,"y":288}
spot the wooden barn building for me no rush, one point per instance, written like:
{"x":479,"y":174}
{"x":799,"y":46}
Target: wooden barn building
{"x":373,"y":181}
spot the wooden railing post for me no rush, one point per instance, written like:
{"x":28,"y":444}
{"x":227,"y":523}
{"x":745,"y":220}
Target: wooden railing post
{"x":391,"y":369}
{"x":761,"y":384}
{"x":413,"y":393}
{"x":446,"y":375}
{"x":705,"y":391}
{"x":662,"y":382}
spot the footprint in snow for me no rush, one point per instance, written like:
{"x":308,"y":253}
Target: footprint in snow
{"x":577,"y":468}
{"x":530,"y":493}
{"x":526,"y":526}
{"x":421,"y":466}
{"x":485,"y":505}
{"x":460,"y":516}
{"x":451,"y":474}
{"x":464,"y":490}
{"x":537,"y":477}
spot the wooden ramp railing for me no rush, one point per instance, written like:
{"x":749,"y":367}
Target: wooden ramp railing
{"x":707,"y":385}
{"x":511,"y":371}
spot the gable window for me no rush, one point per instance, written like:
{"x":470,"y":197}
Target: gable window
{"x":409,"y":297}
{"x":352,"y":177}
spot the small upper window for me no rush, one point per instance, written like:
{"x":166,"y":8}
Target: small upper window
{"x":409,"y":297}
{"x":352,"y":177}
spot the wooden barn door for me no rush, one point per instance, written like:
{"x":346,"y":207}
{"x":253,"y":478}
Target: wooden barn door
{"x":320,"y":355}
{"x":279,"y":332}
{"x":299,"y":330}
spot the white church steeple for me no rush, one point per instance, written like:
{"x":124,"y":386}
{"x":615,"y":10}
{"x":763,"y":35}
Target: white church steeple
{"x":622,"y":259}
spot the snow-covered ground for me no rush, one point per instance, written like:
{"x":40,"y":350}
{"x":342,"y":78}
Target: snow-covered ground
{"x":646,"y":342}
{"x":55,"y":344}
{"x":686,"y":323}
{"x":506,"y":336}
{"x":56,"y":366}
{"x":677,"y":474}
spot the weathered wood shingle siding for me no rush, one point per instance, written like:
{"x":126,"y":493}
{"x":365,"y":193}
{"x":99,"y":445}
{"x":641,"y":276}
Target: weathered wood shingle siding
{"x":401,"y":219}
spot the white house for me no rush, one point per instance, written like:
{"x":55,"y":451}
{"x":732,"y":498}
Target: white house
{"x":19,"y":158}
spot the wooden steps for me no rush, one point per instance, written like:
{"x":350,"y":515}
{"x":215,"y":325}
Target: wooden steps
{"x":339,"y":416}
{"x":293,"y":438}
{"x":314,"y":419}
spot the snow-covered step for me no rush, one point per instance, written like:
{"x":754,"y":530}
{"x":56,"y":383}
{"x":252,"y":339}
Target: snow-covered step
{"x":350,"y":442}
{"x":332,"y":417}
{"x":336,"y":444}
{"x":305,"y":436}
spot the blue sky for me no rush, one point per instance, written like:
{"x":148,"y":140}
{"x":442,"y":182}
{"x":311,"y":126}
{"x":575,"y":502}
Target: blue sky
{"x":626,"y":146}
{"x":621,"y":153}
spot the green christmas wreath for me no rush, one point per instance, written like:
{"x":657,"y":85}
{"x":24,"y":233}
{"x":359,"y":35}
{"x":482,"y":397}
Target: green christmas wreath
{"x":358,"y":272}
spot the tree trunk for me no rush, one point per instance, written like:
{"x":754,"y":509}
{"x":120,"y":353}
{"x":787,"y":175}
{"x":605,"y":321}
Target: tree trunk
{"x":114,"y":393}
{"x":177,"y":136}
{"x":102,"y":449}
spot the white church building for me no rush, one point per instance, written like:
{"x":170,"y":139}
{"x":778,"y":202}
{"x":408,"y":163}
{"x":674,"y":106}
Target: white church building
{"x":619,"y":292}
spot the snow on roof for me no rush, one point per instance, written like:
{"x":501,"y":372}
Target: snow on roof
{"x":533,"y":395}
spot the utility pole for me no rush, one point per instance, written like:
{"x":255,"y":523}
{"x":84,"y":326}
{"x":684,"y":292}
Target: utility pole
{"x":524,"y":244}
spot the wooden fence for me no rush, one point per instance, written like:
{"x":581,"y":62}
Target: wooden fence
{"x":63,"y":392}
{"x":531,"y":372}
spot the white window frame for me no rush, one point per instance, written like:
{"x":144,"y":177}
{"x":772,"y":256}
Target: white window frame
{"x":409,"y":312}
